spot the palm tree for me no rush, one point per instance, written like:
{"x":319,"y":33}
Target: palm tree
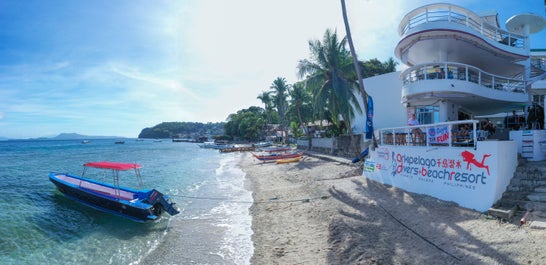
{"x":390,"y":65}
{"x":331,"y":77}
{"x":355,"y":59}
{"x":280,"y":88}
{"x":267,"y":100}
{"x":299,"y":96}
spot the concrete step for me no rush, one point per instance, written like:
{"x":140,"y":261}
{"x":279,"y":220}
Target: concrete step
{"x":537,"y":197}
{"x":527,"y":188}
{"x":540,"y":189}
{"x":519,"y":188}
{"x":516,"y":195}
{"x":538,"y":214}
{"x":537,"y":207}
{"x":527,"y":182}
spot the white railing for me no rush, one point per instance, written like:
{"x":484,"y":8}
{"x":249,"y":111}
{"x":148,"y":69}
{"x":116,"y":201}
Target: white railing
{"x":458,"y":15}
{"x":464,"y":72}
{"x":539,"y":62}
{"x":446,"y":134}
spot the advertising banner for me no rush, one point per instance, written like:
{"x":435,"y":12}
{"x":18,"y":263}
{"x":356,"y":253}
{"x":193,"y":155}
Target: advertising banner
{"x":462,"y":175}
{"x":438,"y":135}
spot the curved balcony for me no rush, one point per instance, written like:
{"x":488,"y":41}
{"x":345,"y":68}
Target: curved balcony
{"x":462,"y":16}
{"x":444,"y":32}
{"x":466,"y":85}
{"x":464,"y":72}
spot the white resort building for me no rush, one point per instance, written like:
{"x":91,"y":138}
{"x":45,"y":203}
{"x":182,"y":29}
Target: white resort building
{"x":477,"y":91}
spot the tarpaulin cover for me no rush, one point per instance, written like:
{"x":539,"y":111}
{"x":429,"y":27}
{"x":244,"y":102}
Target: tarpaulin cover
{"x":113,"y":165}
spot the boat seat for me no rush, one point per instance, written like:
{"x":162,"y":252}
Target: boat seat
{"x":123,"y":194}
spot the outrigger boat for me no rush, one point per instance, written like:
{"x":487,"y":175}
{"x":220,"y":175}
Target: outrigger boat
{"x":288,"y":160}
{"x":138,"y":205}
{"x":215,"y":145}
{"x":237,"y":148}
{"x":277,"y":156}
{"x":276,"y":149}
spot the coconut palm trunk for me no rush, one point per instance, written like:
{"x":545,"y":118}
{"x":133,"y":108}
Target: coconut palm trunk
{"x":355,"y":58}
{"x":355,"y":62}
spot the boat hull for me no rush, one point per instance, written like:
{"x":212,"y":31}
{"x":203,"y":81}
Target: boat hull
{"x":136,"y":210}
{"x":274,"y":157}
{"x":288,"y":160}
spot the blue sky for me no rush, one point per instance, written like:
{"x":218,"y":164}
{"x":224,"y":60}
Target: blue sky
{"x":115,"y":67}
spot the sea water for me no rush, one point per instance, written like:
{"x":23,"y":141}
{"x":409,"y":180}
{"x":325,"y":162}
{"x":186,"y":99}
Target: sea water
{"x":42,"y":226}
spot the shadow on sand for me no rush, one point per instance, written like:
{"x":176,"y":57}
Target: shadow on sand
{"x":385,"y":225}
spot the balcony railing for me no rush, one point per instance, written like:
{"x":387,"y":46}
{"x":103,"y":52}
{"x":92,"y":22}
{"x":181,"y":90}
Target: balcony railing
{"x":446,"y":134}
{"x":461,"y":16}
{"x":464,"y":72}
{"x":539,"y":62}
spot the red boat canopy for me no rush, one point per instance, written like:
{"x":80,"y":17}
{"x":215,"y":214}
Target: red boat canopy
{"x":112,"y":165}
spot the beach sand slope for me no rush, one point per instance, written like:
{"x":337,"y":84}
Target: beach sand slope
{"x":322,"y":212}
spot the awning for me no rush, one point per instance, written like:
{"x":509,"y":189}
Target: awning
{"x":113,"y":165}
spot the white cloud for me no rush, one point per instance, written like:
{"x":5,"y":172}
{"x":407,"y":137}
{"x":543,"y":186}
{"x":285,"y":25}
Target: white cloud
{"x":181,"y":61}
{"x":203,"y":60}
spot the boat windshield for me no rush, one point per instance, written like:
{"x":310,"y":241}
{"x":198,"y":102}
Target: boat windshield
{"x":113,"y":165}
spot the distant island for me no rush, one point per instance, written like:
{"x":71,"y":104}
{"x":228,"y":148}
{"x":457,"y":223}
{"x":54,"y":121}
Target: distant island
{"x":75,"y":136}
{"x":183,"y":130}
{"x":67,"y":136}
{"x":186,"y":130}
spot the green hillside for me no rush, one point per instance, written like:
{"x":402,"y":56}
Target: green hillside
{"x":189,"y":130}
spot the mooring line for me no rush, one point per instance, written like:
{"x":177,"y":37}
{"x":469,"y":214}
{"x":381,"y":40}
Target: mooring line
{"x":271,"y":200}
{"x":417,"y":234}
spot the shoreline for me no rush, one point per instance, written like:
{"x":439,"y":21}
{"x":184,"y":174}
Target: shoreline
{"x":214,"y":226}
{"x":323,"y":212}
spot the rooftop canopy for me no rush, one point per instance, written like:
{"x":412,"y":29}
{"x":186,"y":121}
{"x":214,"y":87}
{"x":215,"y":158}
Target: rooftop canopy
{"x":112,"y":165}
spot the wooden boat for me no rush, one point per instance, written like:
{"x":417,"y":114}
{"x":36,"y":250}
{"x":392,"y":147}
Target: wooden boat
{"x":262,"y":144}
{"x":276,"y":149}
{"x":237,"y":148}
{"x":276,"y":156}
{"x":215,"y":145}
{"x":288,"y":160}
{"x":138,"y":205}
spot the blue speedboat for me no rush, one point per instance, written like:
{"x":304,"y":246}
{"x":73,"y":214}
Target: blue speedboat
{"x":138,"y":205}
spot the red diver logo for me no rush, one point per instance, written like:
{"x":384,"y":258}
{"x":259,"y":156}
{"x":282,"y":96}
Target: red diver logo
{"x":468,"y":157}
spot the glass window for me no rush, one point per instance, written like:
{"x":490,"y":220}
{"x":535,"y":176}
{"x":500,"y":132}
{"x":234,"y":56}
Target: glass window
{"x":428,"y":114}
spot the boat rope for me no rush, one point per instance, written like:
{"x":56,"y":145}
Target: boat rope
{"x":417,"y":234}
{"x":271,"y":200}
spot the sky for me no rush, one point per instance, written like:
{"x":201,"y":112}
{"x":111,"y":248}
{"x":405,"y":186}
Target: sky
{"x":112,"y":68}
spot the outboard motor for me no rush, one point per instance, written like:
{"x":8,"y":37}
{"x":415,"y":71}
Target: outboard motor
{"x":156,"y":196}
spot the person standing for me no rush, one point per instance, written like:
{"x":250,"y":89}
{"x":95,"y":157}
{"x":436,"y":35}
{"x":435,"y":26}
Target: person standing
{"x":412,"y":121}
{"x":417,"y":136}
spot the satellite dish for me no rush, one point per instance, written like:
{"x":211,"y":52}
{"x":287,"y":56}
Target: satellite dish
{"x":534,"y":22}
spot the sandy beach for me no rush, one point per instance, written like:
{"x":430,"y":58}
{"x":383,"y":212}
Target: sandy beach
{"x":323,"y":212}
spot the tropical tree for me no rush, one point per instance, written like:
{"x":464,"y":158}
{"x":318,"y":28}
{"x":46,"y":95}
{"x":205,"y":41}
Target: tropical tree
{"x":355,"y":58}
{"x":389,"y":66}
{"x":374,"y":67}
{"x":300,"y":104}
{"x":280,"y":94}
{"x":330,"y":75}
{"x":267,"y":100}
{"x":246,"y":124}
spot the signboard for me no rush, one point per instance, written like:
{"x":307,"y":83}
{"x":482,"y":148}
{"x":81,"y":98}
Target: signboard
{"x":463,"y":175}
{"x":438,"y":135}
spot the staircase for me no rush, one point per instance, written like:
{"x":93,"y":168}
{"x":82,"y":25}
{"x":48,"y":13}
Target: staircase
{"x":527,"y":189}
